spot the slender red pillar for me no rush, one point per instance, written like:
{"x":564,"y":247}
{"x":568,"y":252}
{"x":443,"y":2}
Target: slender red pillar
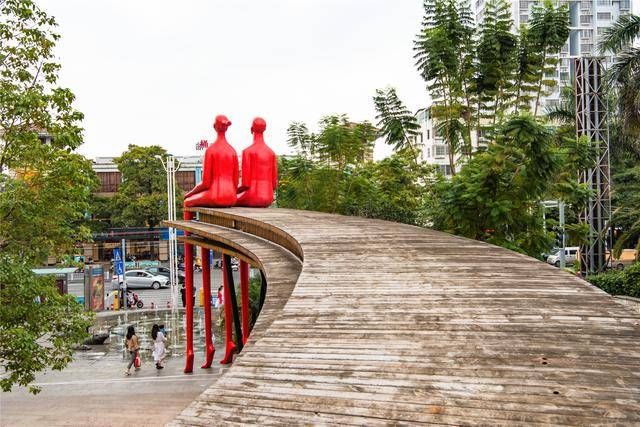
{"x":188,"y":283}
{"x":244,"y":295}
{"x":230,"y":346}
{"x":206,"y":285}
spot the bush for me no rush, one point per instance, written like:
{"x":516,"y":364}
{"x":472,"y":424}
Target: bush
{"x":626,"y":282}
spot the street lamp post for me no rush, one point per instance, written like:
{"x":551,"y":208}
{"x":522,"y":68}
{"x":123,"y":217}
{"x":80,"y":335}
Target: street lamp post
{"x":171,"y":165}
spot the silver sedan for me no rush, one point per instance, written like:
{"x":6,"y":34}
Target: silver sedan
{"x":141,"y":279}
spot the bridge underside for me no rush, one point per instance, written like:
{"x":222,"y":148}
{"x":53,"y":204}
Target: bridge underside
{"x":369,"y":322}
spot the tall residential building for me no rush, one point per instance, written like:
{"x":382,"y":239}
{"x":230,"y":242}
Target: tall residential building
{"x":588,"y":20}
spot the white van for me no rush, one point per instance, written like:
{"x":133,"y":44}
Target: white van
{"x":570,"y":256}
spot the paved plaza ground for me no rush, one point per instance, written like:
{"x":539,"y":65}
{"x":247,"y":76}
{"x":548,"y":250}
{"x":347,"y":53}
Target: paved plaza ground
{"x":93,"y":389}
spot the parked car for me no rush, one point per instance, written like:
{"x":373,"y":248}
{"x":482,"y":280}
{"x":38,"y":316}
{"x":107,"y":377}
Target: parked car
{"x":166,"y":272}
{"x":141,"y":279}
{"x":570,"y":256}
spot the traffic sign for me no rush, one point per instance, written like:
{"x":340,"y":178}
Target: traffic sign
{"x":118,"y":265}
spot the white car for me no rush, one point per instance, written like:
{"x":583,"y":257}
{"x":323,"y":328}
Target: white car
{"x":141,"y":279}
{"x":570,"y":256}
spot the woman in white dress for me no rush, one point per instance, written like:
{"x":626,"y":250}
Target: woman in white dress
{"x":158,"y":346}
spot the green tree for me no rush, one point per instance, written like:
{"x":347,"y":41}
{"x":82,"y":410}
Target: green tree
{"x":444,"y":52}
{"x":44,"y":193}
{"x":624,"y":75}
{"x":337,"y":179}
{"x":398,"y":126}
{"x":496,"y":62}
{"x":549,"y":31}
{"x":496,"y":196}
{"x":141,"y":200}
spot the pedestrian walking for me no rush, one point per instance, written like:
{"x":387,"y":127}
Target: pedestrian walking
{"x":133,"y":347}
{"x":159,"y":349}
{"x":220,"y":299}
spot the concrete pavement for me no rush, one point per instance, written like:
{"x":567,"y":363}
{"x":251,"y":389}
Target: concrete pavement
{"x":94,"y":391}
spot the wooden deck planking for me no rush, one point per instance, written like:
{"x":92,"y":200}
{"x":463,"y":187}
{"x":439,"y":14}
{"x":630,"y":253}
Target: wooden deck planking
{"x":389,"y":323}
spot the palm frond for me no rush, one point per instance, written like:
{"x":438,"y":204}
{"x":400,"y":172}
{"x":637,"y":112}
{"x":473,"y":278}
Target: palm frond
{"x":621,"y":34}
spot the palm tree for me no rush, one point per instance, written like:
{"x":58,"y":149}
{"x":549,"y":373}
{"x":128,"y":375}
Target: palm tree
{"x":624,"y":75}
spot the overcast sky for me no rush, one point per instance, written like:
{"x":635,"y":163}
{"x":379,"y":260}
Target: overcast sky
{"x":158,"y":72}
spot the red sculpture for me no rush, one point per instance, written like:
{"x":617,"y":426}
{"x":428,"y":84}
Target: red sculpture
{"x":220,"y":173}
{"x":259,"y":170}
{"x":219,"y":188}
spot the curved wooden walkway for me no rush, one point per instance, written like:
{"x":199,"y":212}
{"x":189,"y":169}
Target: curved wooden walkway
{"x":387,"y":323}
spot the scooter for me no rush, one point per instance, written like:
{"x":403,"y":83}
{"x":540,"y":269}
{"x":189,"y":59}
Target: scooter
{"x":133,"y":299}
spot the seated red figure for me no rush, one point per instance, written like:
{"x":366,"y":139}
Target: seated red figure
{"x":219,"y":174}
{"x":259,"y":170}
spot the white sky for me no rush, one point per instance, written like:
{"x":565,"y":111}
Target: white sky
{"x":157,"y":72}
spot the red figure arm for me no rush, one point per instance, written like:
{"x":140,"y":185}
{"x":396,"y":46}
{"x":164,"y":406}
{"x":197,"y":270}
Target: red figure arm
{"x":275,"y":172}
{"x":246,"y":169}
{"x":207,"y":177}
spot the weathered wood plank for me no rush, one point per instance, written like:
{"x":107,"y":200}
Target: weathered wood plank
{"x":375,"y":323}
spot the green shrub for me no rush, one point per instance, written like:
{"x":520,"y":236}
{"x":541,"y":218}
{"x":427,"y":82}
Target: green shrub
{"x":626,"y":282}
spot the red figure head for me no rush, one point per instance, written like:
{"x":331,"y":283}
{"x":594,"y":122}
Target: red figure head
{"x":258,"y":125}
{"x":221,"y":124}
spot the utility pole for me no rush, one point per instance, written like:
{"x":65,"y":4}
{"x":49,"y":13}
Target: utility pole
{"x":171,"y":165}
{"x":124,"y":275}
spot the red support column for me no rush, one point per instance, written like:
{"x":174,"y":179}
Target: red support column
{"x":206,"y":285}
{"x":244,"y":295}
{"x":230,"y":346}
{"x":188,"y":283}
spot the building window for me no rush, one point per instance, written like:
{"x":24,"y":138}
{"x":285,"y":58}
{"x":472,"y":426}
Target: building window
{"x":524,"y":19}
{"x":428,"y":152}
{"x":109,"y":181}
{"x":440,"y":150}
{"x":421,"y":138}
{"x":586,"y":34}
{"x":601,"y":30}
{"x":604,"y":2}
{"x":586,"y":48}
{"x":586,"y":19}
{"x":445,"y":169}
{"x":186,"y":180}
{"x":428,"y":134}
{"x":604,"y":16}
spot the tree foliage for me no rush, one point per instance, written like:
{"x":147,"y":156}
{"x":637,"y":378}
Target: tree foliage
{"x":496,"y":196}
{"x":624,"y":75}
{"x":141,"y":200}
{"x":330,"y":173}
{"x":479,"y":73}
{"x":44,"y":193}
{"x":397,"y":124}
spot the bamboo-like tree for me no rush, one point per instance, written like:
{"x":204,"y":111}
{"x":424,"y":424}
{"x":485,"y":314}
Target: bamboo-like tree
{"x":496,"y":64}
{"x":396,"y":123}
{"x":549,"y":31}
{"x":444,"y":53}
